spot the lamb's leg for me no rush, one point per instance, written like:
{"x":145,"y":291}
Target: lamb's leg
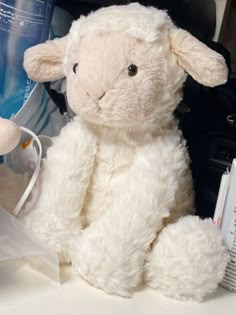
{"x":110,"y":253}
{"x":53,"y":209}
{"x":188,"y":260}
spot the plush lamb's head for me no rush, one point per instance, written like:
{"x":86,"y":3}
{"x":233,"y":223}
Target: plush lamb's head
{"x":125,"y":65}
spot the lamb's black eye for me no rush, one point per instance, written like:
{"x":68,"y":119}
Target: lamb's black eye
{"x":132,"y":70}
{"x":75,"y":67}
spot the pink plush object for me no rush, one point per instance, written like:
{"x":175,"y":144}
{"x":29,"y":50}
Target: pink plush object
{"x":9,"y":135}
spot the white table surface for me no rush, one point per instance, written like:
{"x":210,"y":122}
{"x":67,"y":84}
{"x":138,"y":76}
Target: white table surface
{"x":26,"y":292}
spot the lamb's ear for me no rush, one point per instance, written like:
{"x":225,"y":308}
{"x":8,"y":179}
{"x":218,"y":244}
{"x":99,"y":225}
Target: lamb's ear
{"x":204,"y":64}
{"x":44,"y":62}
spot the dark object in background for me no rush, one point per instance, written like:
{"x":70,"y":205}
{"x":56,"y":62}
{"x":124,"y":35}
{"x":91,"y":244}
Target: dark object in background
{"x":210,"y":130}
{"x":196,"y":16}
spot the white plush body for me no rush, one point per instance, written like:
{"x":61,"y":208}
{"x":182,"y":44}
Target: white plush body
{"x":104,"y":210}
{"x":119,"y":172}
{"x":120,"y":186}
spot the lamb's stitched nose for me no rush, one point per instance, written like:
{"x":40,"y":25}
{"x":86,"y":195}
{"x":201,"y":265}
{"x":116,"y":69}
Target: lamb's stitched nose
{"x":102,"y":96}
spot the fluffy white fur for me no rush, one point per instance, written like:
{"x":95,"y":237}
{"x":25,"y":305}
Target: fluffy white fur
{"x":143,"y":23}
{"x":120,"y":172}
{"x":185,"y":271}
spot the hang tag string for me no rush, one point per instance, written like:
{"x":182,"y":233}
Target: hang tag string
{"x":35,"y":173}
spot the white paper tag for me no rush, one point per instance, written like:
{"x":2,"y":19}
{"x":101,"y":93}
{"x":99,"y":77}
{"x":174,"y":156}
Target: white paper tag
{"x":225,"y":215}
{"x":224,"y":184}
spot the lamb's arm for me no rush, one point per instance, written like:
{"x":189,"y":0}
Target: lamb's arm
{"x":111,"y":252}
{"x":54,"y":206}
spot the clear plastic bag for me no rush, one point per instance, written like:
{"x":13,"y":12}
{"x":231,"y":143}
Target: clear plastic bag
{"x":18,"y":245}
{"x":25,"y":23}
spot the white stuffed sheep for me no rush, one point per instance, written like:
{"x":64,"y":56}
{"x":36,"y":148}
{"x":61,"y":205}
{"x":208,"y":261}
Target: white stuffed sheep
{"x":119,"y":173}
